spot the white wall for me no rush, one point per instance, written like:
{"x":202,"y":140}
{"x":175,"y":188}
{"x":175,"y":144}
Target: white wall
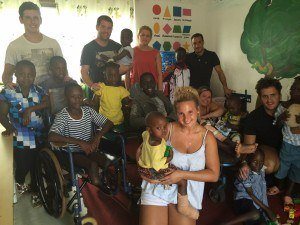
{"x":221,"y":22}
{"x":222,"y":35}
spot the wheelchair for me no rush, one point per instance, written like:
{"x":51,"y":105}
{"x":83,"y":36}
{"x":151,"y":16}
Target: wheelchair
{"x":217,"y":193}
{"x":54,"y":187}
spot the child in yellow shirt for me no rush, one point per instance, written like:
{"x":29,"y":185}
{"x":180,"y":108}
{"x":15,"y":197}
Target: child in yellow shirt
{"x":155,"y":155}
{"x":112,"y":95}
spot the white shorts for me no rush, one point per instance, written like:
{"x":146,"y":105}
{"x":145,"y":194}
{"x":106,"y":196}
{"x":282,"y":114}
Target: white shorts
{"x":148,"y":199}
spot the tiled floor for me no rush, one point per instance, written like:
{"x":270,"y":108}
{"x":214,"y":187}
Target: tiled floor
{"x":25,"y":214}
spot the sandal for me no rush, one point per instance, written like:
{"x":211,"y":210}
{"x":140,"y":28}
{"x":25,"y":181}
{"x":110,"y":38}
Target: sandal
{"x":35,"y":201}
{"x":22,"y":188}
{"x":273,"y":191}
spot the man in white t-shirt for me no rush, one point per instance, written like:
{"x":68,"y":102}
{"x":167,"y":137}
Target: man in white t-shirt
{"x":32,"y":46}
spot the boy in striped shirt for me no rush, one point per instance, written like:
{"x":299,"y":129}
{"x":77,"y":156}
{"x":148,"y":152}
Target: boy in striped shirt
{"x":74,"y":125}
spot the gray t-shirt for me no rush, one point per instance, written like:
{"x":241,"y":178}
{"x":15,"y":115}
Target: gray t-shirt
{"x":37,"y":53}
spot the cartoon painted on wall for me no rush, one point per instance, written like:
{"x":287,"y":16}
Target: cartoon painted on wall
{"x":271,"y":37}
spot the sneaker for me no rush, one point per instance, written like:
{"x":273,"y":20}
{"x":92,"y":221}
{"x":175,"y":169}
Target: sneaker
{"x":35,"y":201}
{"x":22,"y":188}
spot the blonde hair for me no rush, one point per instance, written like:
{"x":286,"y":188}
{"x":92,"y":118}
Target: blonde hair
{"x":145,"y":28}
{"x":184,"y":94}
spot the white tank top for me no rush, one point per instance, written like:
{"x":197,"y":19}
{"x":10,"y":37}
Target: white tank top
{"x":188,"y":162}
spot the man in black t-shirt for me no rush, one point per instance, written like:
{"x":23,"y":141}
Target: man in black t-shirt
{"x":260,"y":125}
{"x":94,"y":54}
{"x":201,"y":63}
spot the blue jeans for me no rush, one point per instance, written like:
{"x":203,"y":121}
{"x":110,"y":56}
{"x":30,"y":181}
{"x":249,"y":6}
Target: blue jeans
{"x":289,"y":162}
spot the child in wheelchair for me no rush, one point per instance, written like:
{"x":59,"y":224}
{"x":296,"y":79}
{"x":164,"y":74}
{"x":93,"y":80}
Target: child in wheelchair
{"x":228,"y":127}
{"x":232,"y":118}
{"x":155,"y":156}
{"x":74,"y":125}
{"x":24,"y":105}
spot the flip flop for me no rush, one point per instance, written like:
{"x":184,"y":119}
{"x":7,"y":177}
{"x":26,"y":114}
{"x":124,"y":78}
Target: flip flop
{"x":273,"y":191}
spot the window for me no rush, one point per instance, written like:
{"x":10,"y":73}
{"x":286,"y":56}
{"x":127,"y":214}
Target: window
{"x":72,"y":25}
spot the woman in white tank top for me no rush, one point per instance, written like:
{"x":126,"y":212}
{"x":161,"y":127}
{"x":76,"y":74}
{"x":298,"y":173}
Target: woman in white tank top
{"x":195,"y":155}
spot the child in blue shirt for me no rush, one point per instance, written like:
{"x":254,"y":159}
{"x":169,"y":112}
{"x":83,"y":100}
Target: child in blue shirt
{"x":251,"y":194}
{"x":24,"y":105}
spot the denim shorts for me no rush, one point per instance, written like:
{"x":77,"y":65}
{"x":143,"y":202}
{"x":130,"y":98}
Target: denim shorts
{"x":289,"y":162}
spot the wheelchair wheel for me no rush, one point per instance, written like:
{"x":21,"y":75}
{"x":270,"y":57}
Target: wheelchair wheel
{"x":110,"y":179}
{"x":50,"y":183}
{"x":88,"y":221}
{"x":217,"y":195}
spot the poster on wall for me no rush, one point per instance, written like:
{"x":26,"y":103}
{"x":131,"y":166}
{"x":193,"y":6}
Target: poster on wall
{"x":171,"y":23}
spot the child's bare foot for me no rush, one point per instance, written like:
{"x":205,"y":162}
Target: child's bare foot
{"x":185,"y":208}
{"x":273,"y":191}
{"x":244,"y":148}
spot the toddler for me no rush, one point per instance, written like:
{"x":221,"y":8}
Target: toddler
{"x":74,"y":125}
{"x":251,"y":194}
{"x":290,"y":150}
{"x":55,"y":83}
{"x":153,"y":163}
{"x":177,"y":75}
{"x":233,"y":117}
{"x":112,"y":95}
{"x":24,"y":104}
{"x":124,"y":56}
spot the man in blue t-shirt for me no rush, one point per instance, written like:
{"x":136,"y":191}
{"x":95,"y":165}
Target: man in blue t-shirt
{"x":201,"y":62}
{"x":95,"y":54}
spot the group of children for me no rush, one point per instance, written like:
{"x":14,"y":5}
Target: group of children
{"x":26,"y":102}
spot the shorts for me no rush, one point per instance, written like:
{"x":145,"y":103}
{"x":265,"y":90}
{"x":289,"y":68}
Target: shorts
{"x":289,"y":162}
{"x":149,"y":199}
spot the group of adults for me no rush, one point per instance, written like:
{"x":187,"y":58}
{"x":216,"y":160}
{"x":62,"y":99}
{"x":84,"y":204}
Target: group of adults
{"x":38,"y":48}
{"x":186,"y":135}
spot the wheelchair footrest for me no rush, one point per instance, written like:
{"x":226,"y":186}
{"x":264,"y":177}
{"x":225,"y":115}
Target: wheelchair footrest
{"x":107,"y":160}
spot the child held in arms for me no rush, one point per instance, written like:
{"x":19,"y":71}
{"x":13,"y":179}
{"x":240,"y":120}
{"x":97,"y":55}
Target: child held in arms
{"x":125,"y":55}
{"x":154,"y":158}
{"x":251,"y":194}
{"x":55,"y":84}
{"x":24,"y":104}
